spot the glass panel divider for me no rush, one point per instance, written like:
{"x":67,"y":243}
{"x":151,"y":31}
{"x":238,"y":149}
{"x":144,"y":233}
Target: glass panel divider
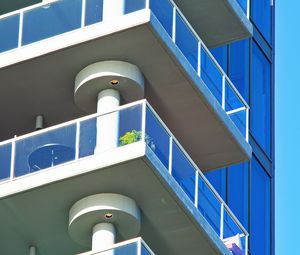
{"x":170,"y":154}
{"x":222,"y":221}
{"x":20,"y":29}
{"x":139,"y":246}
{"x":83,"y":10}
{"x":247,"y":124}
{"x":199,"y":59}
{"x":144,"y":108}
{"x":77,"y":140}
{"x":12,"y":162}
{"x":174,"y":25}
{"x":196,"y":188}
{"x":223,"y":92}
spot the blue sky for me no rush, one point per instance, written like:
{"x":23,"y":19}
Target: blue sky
{"x":287,"y":127}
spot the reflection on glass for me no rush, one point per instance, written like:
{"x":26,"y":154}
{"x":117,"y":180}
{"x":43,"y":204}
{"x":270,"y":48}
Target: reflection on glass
{"x":260,"y":114}
{"x":217,"y":179}
{"x":186,"y":42}
{"x":211,"y":76}
{"x":239,"y":119}
{"x":183,"y":172}
{"x":5,"y":160}
{"x":163,"y":11}
{"x":94,"y":11}
{"x":157,"y":138}
{"x":208,"y":205}
{"x":129,"y":249}
{"x":45,"y":150}
{"x":9,"y":31}
{"x":50,"y":20}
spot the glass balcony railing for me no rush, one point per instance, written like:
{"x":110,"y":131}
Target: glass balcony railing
{"x":135,"y":246}
{"x":46,"y":20}
{"x":135,"y":122}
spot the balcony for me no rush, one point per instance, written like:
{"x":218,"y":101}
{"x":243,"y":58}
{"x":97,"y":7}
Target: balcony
{"x":147,"y":163}
{"x":136,"y":246}
{"x":218,"y":22}
{"x":48,"y":44}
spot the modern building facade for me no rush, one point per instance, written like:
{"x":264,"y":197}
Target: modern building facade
{"x":137,"y":127}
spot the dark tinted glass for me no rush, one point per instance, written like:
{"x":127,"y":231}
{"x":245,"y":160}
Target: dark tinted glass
{"x":238,"y":192}
{"x":260,"y":211}
{"x":261,"y":15}
{"x":239,"y":67}
{"x":260,"y":116}
{"x":218,"y":179}
{"x":221,"y":55}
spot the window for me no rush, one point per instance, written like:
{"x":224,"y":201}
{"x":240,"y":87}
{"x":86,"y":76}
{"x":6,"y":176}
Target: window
{"x":260,"y":107}
{"x":261,"y":15}
{"x":238,"y":191}
{"x":260,"y":231}
{"x":239,"y":67}
{"x":218,"y":179}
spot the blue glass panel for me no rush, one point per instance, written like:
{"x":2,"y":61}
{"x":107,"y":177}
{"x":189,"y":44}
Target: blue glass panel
{"x":243,"y":4}
{"x":94,"y":11}
{"x":238,"y":192}
{"x":145,"y":251}
{"x":260,"y":116}
{"x":131,"y":249}
{"x":50,"y":20}
{"x":211,"y":75}
{"x":239,"y":119}
{"x":157,"y":138}
{"x":183,"y":172}
{"x":239,"y":67}
{"x":261,"y":15}
{"x":186,"y":42}
{"x":5,"y":160}
{"x":260,"y":230}
{"x":45,"y":150}
{"x":87,"y":138}
{"x":134,"y":5}
{"x":209,"y":206}
{"x":9,"y":31}
{"x":221,"y":55}
{"x":163,"y":11}
{"x":232,"y":101}
{"x":218,"y":179}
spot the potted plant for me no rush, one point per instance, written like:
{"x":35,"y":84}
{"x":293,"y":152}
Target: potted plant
{"x":135,"y":136}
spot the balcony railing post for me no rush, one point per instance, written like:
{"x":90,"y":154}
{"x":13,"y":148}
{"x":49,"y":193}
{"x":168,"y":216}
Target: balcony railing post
{"x":147,"y":4}
{"x":20,"y":29}
{"x":247,"y":124}
{"x":139,"y":246}
{"x":12,"y":159}
{"x":223,"y":91}
{"x":77,"y":140}
{"x":222,"y":222}
{"x":144,"y":109}
{"x":246,"y":244}
{"x":170,"y":154}
{"x":83,"y":9}
{"x":174,"y":25}
{"x":199,"y":59}
{"x":196,"y":188}
{"x":248,"y":9}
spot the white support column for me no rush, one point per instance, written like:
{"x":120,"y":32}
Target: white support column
{"x":32,"y":250}
{"x":104,"y":236}
{"x":108,"y":124}
{"x":113,"y":9}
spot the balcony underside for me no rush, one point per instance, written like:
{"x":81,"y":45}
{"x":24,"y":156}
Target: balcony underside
{"x":35,"y":209}
{"x":218,"y":22}
{"x":39,"y":79}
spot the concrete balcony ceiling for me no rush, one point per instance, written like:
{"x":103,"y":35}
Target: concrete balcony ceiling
{"x":39,"y":79}
{"x":12,"y":5}
{"x":218,"y":22}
